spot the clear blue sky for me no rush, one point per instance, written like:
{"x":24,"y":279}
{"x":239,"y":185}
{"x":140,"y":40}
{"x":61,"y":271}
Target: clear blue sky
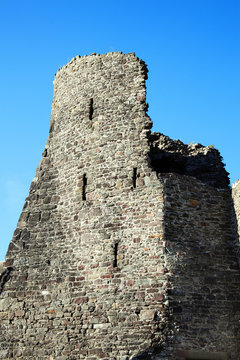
{"x":192,"y":48}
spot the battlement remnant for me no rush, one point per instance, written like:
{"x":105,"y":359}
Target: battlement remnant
{"x":126,"y":247}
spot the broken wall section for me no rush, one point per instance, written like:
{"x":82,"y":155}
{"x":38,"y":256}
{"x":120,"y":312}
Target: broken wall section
{"x":173,"y":156}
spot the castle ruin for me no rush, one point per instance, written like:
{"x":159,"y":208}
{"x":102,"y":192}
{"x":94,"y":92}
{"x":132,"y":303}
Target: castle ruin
{"x":127,"y":245}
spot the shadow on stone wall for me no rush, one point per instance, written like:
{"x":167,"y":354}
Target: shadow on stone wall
{"x":4,"y":277}
{"x":201,"y":251}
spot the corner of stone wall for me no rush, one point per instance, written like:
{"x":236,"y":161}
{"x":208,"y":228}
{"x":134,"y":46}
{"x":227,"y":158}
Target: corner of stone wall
{"x":236,"y":206}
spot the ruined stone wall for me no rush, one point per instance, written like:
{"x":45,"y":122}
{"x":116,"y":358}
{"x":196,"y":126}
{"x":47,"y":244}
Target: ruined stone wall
{"x":114,"y":257}
{"x":91,"y":228}
{"x":196,"y":160}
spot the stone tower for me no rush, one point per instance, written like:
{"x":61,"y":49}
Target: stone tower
{"x":126,"y":247}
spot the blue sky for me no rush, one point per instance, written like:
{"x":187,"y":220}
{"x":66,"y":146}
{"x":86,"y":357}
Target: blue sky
{"x":191,"y":47}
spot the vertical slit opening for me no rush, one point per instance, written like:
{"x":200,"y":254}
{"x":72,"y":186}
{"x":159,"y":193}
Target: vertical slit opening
{"x":91,"y":109}
{"x":4,"y":277}
{"x":84,"y":187}
{"x":115,"y":263}
{"x":134,"y":178}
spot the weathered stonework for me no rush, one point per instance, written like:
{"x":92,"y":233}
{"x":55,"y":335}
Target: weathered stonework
{"x":126,"y":245}
{"x":236,"y":200}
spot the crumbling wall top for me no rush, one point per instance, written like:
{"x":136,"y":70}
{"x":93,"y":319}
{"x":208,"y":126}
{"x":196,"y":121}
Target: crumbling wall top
{"x":95,"y":56}
{"x":203,"y":162}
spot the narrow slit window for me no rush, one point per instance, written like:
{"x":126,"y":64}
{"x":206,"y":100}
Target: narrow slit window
{"x":115,"y":262}
{"x":4,"y":277}
{"x":84,"y":187}
{"x":91,"y":109}
{"x":134,"y":178}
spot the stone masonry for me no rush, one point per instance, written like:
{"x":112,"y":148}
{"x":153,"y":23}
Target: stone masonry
{"x":236,"y":199}
{"x":126,"y":247}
